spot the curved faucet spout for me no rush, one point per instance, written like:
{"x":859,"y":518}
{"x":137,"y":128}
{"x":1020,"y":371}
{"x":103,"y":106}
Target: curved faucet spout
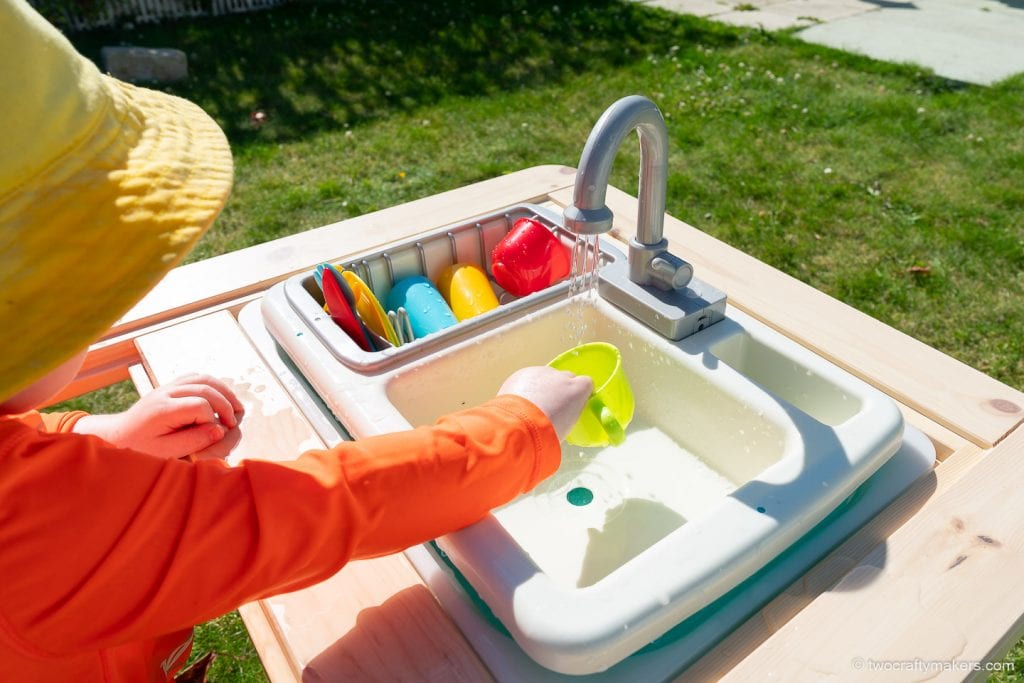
{"x":650,"y":263}
{"x":587,"y":213}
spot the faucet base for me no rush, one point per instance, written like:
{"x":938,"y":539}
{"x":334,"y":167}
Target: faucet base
{"x":674,"y":314}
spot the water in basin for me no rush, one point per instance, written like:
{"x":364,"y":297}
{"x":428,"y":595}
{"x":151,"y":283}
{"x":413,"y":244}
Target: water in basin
{"x":691,"y":443}
{"x":600,"y":510}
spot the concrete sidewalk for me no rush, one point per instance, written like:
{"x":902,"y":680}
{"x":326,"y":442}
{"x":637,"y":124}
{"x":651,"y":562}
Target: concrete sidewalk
{"x":975,"y":41}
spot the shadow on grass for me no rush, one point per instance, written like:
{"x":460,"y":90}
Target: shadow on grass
{"x":312,"y":66}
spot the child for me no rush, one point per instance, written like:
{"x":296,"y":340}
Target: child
{"x":111,"y":545}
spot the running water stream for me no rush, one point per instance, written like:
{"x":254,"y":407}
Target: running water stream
{"x":586,"y":256}
{"x":586,"y":261}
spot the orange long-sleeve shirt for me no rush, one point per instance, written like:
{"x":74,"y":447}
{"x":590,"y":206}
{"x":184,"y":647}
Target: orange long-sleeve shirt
{"x":108,"y":557}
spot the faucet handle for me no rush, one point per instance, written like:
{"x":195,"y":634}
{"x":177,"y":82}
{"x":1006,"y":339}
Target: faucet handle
{"x":668,"y":271}
{"x":653,"y":264}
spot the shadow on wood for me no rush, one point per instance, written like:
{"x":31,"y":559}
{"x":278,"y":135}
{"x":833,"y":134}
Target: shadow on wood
{"x":383,"y":631}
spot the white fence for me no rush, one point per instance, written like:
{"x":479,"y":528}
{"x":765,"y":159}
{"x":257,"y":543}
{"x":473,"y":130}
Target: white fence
{"x":107,"y":12}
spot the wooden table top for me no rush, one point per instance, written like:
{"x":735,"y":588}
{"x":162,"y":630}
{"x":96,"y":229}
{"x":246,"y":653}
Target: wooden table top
{"x":938,"y":576}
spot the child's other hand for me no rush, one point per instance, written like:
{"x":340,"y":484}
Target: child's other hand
{"x":561,"y":395}
{"x":181,"y":418}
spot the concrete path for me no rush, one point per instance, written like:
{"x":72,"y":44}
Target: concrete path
{"x":975,"y":41}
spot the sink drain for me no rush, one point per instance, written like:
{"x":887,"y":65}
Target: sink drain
{"x":580,"y":496}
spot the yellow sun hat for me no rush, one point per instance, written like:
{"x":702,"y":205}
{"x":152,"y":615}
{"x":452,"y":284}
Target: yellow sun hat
{"x":104,"y":187}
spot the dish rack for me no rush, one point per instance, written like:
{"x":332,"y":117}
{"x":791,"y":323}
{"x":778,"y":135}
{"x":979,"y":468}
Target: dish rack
{"x":470,"y":242}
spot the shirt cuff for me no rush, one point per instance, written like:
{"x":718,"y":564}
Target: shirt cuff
{"x":547,"y":448}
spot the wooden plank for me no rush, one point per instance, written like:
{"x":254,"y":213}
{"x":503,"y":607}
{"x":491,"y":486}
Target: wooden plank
{"x":945,"y":441}
{"x":330,"y":431}
{"x":266,"y":641}
{"x":375,"y":620}
{"x":272,"y":427}
{"x":140,"y":378}
{"x":946,"y":586}
{"x":90,"y":381}
{"x":202,"y":284}
{"x":230,"y":301}
{"x":941,"y":388}
{"x":831,"y":569}
{"x":112,"y":359}
{"x":105,"y":364}
{"x":373,"y":613}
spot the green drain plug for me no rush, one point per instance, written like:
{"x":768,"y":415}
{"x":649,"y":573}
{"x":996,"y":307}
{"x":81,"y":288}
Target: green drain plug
{"x":580,"y":496}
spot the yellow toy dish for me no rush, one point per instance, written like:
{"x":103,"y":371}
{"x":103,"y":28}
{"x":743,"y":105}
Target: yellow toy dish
{"x":466,"y":289}
{"x":369,"y":308}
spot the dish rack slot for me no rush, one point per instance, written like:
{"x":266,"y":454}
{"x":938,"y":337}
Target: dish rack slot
{"x":428,"y":255}
{"x":470,"y":243}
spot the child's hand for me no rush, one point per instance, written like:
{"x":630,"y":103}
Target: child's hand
{"x":561,"y":395}
{"x":177,"y":419}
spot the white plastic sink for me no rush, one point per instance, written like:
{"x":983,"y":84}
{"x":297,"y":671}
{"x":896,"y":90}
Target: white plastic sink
{"x":741,"y":443}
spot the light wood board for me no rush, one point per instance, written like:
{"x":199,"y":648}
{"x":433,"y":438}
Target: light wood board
{"x":946,"y":586}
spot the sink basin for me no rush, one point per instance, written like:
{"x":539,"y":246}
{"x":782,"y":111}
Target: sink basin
{"x":698,"y":435}
{"x":742,"y":442}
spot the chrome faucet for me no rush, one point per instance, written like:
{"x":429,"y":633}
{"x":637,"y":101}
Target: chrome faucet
{"x":650,"y":262}
{"x":655,"y":286}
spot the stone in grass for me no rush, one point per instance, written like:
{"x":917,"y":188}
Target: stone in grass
{"x":145,"y":64}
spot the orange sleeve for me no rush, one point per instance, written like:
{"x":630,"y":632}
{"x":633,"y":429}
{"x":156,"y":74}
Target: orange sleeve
{"x":53,"y":423}
{"x":103,"y":546}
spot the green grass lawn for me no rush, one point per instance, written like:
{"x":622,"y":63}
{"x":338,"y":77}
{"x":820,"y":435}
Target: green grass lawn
{"x":893,"y":190}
